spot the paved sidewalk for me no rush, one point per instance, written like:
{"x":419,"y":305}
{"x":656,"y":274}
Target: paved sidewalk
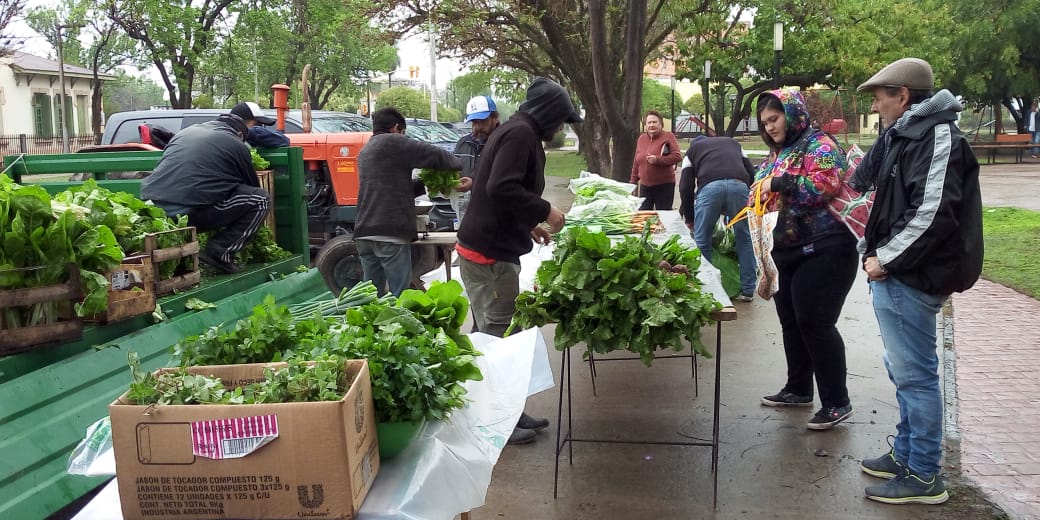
{"x":997,"y":346}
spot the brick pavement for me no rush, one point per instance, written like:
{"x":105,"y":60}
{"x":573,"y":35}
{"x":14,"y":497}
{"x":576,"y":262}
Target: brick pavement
{"x":997,"y":346}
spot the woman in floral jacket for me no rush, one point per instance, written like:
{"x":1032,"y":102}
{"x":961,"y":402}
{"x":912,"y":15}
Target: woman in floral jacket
{"x":815,"y":255}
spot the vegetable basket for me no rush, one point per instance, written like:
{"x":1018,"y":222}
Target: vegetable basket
{"x":67,"y":327}
{"x":183,"y":254}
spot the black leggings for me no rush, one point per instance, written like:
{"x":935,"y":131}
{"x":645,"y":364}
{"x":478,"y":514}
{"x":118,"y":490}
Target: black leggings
{"x":659,"y":196}
{"x":812,"y":292}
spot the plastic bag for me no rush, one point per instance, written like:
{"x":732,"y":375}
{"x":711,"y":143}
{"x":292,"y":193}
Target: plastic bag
{"x":762,"y":222}
{"x":589,"y":179}
{"x":849,"y":206}
{"x":93,"y":456}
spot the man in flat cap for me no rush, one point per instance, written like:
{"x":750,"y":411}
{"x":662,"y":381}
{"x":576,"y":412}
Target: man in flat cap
{"x":923,"y":242}
{"x":506,"y":211}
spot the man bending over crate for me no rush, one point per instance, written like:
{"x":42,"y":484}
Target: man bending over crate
{"x":207,"y":174}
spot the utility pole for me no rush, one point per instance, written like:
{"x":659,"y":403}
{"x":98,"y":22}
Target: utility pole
{"x":433,"y":75}
{"x":62,"y":116}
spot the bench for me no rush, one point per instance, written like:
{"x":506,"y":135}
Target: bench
{"x":1017,"y":143}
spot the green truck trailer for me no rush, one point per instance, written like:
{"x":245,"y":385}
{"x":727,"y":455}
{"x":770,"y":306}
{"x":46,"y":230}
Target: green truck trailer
{"x":49,"y":395}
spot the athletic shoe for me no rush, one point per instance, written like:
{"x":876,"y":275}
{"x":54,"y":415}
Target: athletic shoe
{"x":826,"y":418}
{"x":909,"y":488}
{"x":745,"y":298}
{"x":784,"y":398}
{"x":214,"y":261}
{"x":885,"y":466}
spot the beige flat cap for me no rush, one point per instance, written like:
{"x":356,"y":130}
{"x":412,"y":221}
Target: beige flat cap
{"x":912,"y":73}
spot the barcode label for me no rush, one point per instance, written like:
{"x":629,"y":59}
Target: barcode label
{"x":232,"y":438}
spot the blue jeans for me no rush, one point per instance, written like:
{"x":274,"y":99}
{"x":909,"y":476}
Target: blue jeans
{"x":1035,"y":140}
{"x":385,"y":264}
{"x":906,"y":317}
{"x":725,"y":197}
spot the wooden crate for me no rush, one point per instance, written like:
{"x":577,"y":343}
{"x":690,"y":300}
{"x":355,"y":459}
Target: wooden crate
{"x":131,"y":290}
{"x":180,"y":280}
{"x":69,"y":327}
{"x":267,"y":183}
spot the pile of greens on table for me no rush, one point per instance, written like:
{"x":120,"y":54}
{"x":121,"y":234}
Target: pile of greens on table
{"x":632,"y":295}
{"x":40,"y":236}
{"x":602,"y":204}
{"x":417,"y":355}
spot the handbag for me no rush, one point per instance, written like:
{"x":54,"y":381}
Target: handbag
{"x":761,"y":223}
{"x":849,"y":206}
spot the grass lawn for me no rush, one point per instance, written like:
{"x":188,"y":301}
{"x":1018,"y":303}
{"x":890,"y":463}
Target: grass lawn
{"x":564,"y":163}
{"x":1012,"y":238}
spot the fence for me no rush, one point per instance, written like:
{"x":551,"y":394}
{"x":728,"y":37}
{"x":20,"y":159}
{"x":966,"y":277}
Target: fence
{"x":37,"y":145}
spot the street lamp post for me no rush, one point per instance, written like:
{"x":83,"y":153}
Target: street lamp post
{"x":778,"y":47}
{"x":707,"y":91}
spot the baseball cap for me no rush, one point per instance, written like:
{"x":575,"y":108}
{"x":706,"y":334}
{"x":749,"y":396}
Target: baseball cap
{"x":248,"y":110}
{"x":480,"y":107}
{"x":912,"y":73}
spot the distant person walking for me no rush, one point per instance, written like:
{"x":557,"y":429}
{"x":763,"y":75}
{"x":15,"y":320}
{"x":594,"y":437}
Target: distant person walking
{"x":714,"y":181}
{"x":1034,"y":128}
{"x":923,"y":241}
{"x":653,"y":167}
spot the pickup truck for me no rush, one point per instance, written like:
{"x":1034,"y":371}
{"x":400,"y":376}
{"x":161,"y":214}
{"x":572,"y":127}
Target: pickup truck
{"x":49,"y":395}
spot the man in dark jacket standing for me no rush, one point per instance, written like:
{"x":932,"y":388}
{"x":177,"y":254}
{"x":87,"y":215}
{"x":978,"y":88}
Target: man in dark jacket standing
{"x":206,"y":172}
{"x":482,"y":114}
{"x":506,"y":212}
{"x":717,"y":170}
{"x":385,"y":225}
{"x":923,"y":241}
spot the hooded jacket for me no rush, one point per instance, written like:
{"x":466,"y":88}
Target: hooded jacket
{"x":506,"y":200}
{"x":806,"y":174}
{"x":202,"y":165}
{"x":926,"y":224}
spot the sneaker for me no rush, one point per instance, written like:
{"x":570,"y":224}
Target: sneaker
{"x":521,"y":436}
{"x":784,"y":398}
{"x":214,"y":261}
{"x":885,"y":466}
{"x":909,"y":488}
{"x":530,"y":423}
{"x":745,"y":298}
{"x":827,"y":417}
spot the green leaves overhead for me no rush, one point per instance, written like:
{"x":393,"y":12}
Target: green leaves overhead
{"x":618,"y":296}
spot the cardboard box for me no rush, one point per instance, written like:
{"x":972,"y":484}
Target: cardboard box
{"x":280,"y":461}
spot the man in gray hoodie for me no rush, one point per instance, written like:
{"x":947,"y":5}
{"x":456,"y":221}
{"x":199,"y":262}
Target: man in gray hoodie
{"x":385,"y":225}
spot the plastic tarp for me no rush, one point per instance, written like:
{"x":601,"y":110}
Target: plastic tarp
{"x":447,"y":469}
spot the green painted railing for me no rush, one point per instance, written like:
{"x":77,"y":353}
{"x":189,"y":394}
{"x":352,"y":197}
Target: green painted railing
{"x":50,"y":395}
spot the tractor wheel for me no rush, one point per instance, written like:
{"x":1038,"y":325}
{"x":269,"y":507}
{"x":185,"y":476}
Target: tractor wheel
{"x":339,"y":263}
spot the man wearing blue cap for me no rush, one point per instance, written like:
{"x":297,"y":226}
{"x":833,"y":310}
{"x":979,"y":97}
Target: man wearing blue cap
{"x":482,"y":114}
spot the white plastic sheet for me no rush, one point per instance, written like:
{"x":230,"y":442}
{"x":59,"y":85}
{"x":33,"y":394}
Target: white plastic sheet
{"x":447,"y":470}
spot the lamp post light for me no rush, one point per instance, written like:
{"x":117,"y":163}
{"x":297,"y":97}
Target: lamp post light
{"x":778,"y":47}
{"x":707,"y":91}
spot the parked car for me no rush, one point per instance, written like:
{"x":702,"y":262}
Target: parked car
{"x":122,"y":127}
{"x":431,"y":132}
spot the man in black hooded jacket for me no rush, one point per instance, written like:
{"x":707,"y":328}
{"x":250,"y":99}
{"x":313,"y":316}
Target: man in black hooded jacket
{"x":506,"y":212}
{"x":206,"y":172}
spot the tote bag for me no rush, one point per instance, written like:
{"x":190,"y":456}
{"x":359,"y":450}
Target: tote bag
{"x":761,"y":224}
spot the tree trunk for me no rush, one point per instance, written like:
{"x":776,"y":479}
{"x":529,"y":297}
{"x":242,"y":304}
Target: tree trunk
{"x":95,"y":108}
{"x":594,"y":143}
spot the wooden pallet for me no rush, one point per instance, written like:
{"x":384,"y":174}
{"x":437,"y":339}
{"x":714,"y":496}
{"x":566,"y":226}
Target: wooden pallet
{"x":14,"y":341}
{"x":189,"y":278}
